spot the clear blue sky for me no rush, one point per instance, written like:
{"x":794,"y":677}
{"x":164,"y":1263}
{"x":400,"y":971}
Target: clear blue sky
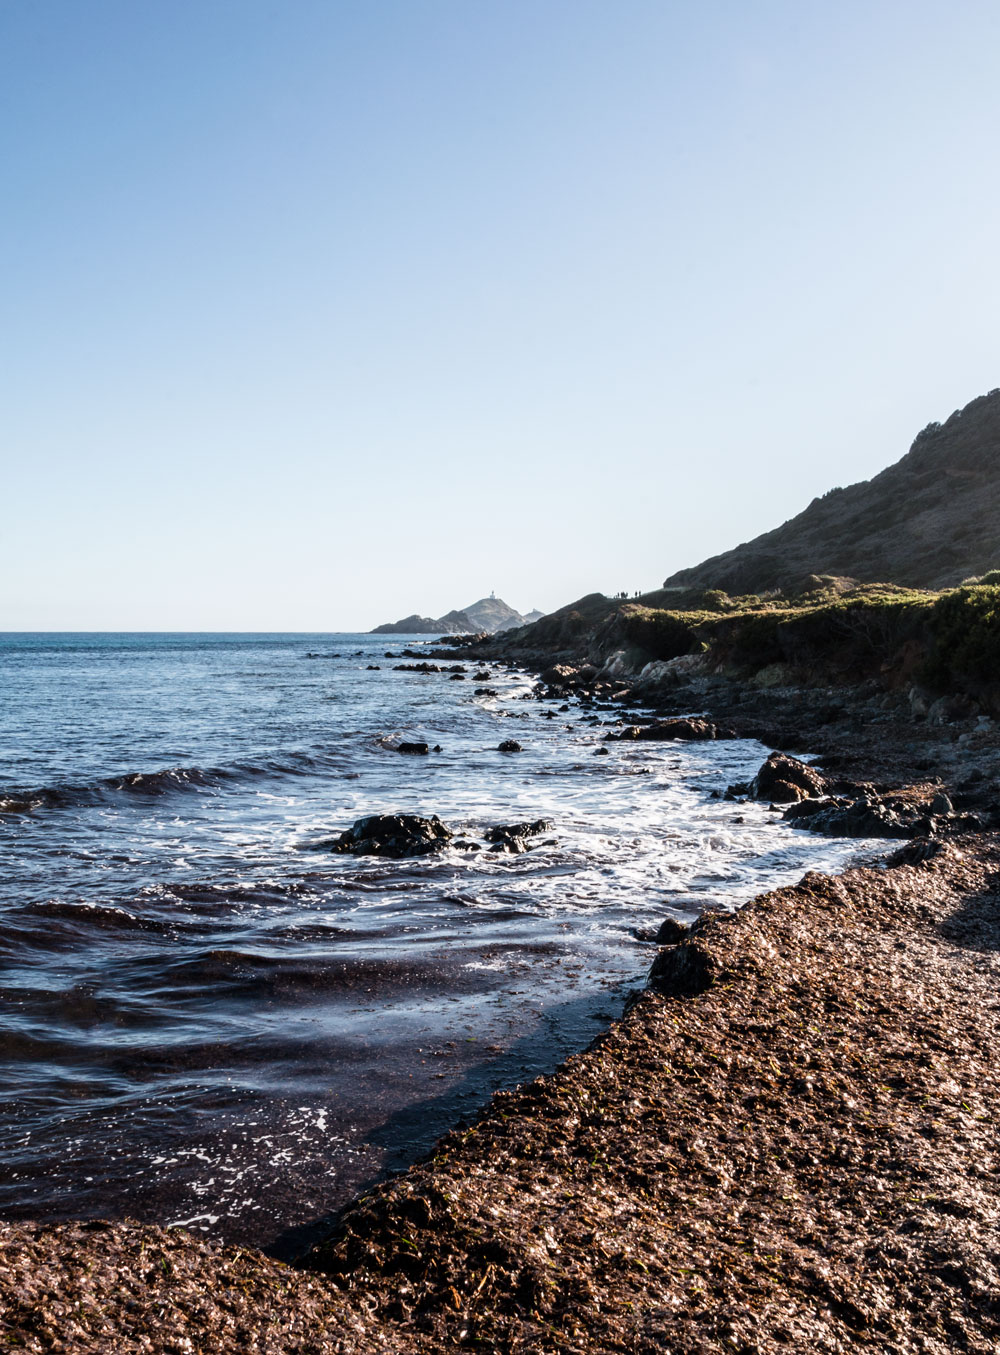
{"x":319,"y":313}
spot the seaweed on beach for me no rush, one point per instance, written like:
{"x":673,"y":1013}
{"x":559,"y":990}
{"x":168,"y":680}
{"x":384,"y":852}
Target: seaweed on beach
{"x":795,"y":1151}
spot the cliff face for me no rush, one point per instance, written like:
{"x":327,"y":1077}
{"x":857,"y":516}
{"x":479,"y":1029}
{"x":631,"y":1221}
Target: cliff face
{"x":929,"y":521}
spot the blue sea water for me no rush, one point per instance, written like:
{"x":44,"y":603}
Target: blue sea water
{"x":205,"y":1020}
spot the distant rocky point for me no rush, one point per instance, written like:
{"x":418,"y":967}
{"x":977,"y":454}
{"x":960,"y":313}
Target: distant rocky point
{"x":929,"y":521}
{"x":491,"y":615}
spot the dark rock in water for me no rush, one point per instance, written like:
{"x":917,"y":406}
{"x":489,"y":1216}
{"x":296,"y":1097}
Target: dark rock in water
{"x":672,"y":932}
{"x":602,"y":752}
{"x":374,"y":668}
{"x":457,"y":677}
{"x":412,"y":748}
{"x":509,"y":746}
{"x":482,"y":676}
{"x":416,"y":668}
{"x":512,"y":846}
{"x":867,"y":816}
{"x":665,"y":731}
{"x":783,"y":780}
{"x":504,"y":832}
{"x":437,"y":748}
{"x":560,"y":675}
{"x":467,"y":845}
{"x":395,"y":835}
{"x":485,"y":691}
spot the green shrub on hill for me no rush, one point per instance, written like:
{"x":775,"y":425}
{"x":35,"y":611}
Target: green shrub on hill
{"x":965,"y":634}
{"x":828,"y":636}
{"x":662,"y":634}
{"x":867,"y":632}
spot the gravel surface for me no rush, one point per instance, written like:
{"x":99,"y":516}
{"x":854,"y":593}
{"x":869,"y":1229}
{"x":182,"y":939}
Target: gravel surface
{"x":791,"y":1146}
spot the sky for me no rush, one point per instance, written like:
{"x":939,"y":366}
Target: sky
{"x":319,"y":313}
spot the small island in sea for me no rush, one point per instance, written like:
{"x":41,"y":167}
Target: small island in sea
{"x":489,"y":615}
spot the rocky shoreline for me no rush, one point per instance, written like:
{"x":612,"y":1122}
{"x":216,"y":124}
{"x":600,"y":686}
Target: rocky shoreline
{"x":787,"y":1141}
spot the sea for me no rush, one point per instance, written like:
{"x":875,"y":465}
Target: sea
{"x":209,"y":1019}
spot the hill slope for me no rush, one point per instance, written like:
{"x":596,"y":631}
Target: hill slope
{"x":929,"y":521}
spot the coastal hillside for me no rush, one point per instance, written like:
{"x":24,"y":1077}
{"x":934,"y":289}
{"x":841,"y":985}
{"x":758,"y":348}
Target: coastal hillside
{"x":929,"y":521}
{"x":491,"y":615}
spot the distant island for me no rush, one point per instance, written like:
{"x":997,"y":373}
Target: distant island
{"x":491,"y":615}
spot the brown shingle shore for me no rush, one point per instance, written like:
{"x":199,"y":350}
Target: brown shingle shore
{"x":793,"y":1147}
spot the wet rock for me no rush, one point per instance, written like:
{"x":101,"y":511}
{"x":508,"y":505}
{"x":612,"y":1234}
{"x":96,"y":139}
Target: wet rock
{"x":485,"y":691}
{"x":509,"y":746}
{"x":867,"y":816}
{"x":941,"y":804}
{"x":672,"y":932}
{"x":783,"y":780}
{"x":417,"y":748}
{"x":665,"y":731}
{"x":457,"y":677}
{"x":513,"y":846}
{"x":394,"y":835}
{"x":507,"y":832}
{"x":416,"y":668}
{"x":482,"y":676}
{"x":602,"y":752}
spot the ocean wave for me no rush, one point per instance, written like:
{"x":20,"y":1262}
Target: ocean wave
{"x":166,"y":781}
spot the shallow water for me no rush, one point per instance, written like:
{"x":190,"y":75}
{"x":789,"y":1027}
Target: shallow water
{"x":207,"y":1021}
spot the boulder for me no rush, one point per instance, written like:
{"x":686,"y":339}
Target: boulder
{"x":783,"y":780}
{"x":395,"y":835}
{"x":418,"y":748}
{"x":509,"y":746}
{"x":559,"y":675}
